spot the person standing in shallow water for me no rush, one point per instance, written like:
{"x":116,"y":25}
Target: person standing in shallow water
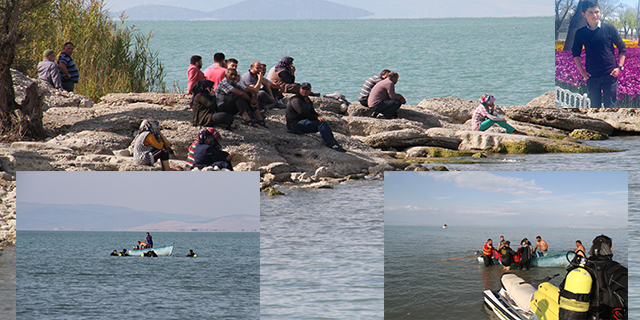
{"x":487,"y":253}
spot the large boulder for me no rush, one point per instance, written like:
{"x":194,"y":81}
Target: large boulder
{"x":557,"y":118}
{"x":622,"y":119}
{"x":53,"y":97}
{"x":409,"y":137}
{"x":456,"y":109}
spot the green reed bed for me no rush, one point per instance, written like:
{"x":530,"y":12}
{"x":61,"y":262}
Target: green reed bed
{"x":110,"y":56}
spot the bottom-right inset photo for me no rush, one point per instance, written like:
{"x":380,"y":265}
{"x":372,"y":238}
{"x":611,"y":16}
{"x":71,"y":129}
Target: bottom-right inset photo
{"x":506,"y":245}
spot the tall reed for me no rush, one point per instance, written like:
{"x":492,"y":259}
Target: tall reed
{"x":110,"y":56}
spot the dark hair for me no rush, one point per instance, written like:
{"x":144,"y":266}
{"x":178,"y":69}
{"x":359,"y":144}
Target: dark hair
{"x":539,"y":237}
{"x":201,"y":86}
{"x":589,"y":4}
{"x":226,"y":73}
{"x":195,"y":59}
{"x":507,"y":242}
{"x":489,"y":240}
{"x":66,"y":43}
{"x":384,"y":72}
{"x":578,"y":241}
{"x":392,"y":75}
{"x":218,"y":57}
{"x":232,"y":60}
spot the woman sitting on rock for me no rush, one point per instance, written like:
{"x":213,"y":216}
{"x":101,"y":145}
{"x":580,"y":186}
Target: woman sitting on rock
{"x":150,"y":145}
{"x":205,"y":108}
{"x":206,"y":151}
{"x":483,"y":117}
{"x":285,"y":75}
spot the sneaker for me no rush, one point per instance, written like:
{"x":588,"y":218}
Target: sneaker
{"x":381,"y":116}
{"x":374,"y":115}
{"x":337,"y":148}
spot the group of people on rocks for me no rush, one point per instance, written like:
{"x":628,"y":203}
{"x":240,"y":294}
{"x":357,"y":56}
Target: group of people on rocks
{"x":525,"y":252}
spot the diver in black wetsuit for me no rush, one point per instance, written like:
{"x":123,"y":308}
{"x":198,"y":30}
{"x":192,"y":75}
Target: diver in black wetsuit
{"x":124,"y":253}
{"x":114,"y":253}
{"x":191,"y":253}
{"x":507,"y":255}
{"x":525,"y":251}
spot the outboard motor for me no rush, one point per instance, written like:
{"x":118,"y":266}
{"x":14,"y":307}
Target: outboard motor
{"x":575,"y":294}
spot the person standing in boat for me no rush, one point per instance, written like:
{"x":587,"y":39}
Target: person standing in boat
{"x":507,"y":255}
{"x":542,"y":244}
{"x":487,"y":253}
{"x":149,"y":241}
{"x":501,"y":244}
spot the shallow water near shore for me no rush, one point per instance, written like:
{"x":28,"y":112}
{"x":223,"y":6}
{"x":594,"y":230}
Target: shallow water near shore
{"x":321,"y":253}
{"x":70,"y":275}
{"x":8,"y":283}
{"x":420,"y":286}
{"x":511,"y":58}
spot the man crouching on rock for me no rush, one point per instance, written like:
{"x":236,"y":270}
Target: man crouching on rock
{"x":302,"y":117}
{"x":483,"y":117}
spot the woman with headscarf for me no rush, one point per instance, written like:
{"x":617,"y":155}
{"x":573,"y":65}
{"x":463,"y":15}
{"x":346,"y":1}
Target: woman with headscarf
{"x":284,"y":75}
{"x":483,"y":117}
{"x":205,"y":108}
{"x":150,"y":145}
{"x":206,"y":151}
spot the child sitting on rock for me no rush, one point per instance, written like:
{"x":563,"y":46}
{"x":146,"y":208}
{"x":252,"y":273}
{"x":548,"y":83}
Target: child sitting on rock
{"x":483,"y":117}
{"x":150,"y":145}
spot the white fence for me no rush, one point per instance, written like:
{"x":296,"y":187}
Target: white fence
{"x":568,"y":99}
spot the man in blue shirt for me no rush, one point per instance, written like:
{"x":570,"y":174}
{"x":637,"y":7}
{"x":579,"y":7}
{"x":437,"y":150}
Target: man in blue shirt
{"x":602,"y":70}
{"x":68,"y":70}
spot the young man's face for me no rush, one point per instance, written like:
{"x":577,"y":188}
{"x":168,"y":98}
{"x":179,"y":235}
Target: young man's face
{"x":592,"y":15}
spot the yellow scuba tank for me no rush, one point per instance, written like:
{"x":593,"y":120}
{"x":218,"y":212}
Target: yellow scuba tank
{"x":574,"y":297}
{"x":545,"y":302}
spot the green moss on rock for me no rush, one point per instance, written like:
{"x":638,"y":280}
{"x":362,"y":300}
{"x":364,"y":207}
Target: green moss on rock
{"x":533,"y":147}
{"x":273,"y":192}
{"x":478,"y":155}
{"x":439,"y":168}
{"x":585,"y":134}
{"x":446,"y":153}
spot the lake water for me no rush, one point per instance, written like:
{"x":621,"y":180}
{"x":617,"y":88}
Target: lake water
{"x":321,"y":253}
{"x":511,"y":58}
{"x":8,"y":283}
{"x":420,"y":286}
{"x":70,"y":275}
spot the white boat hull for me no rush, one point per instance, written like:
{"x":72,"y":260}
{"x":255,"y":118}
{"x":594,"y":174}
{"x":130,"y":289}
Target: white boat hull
{"x":160,"y":251}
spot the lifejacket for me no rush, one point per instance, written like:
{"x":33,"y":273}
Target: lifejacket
{"x":487,"y":250}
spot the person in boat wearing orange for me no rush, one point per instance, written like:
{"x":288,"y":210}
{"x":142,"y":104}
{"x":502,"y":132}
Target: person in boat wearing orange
{"x":507,"y":255}
{"x":487,"y":253}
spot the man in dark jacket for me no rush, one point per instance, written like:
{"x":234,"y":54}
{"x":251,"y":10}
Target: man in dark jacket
{"x":302,"y":117}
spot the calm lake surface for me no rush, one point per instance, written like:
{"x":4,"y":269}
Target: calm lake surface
{"x":511,"y":58}
{"x":70,"y":275}
{"x":420,"y":286}
{"x":8,"y":283}
{"x":321,"y":253}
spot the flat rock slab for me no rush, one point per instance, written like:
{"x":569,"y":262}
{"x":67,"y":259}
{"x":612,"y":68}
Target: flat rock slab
{"x":410,"y":137}
{"x":557,"y":118}
{"x":622,"y":119}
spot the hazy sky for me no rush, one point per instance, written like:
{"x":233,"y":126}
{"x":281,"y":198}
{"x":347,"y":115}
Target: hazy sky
{"x":540,"y":198}
{"x":392,"y":8}
{"x":209,"y":194}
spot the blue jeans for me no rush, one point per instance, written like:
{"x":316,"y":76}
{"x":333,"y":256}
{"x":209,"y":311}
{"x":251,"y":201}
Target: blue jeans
{"x":388,"y":108}
{"x":310,"y":126}
{"x":603,"y":89}
{"x":488,"y":123}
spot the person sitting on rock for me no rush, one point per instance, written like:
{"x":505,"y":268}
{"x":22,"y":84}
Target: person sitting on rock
{"x":48,"y":69}
{"x":194,"y":74}
{"x":150,"y":145}
{"x":206,"y":151}
{"x":284,"y":75}
{"x":483,"y":117}
{"x":383,"y":99}
{"x":369,"y":84}
{"x":216,"y":71}
{"x":253,"y":79}
{"x":232,"y":98}
{"x":302,"y":117}
{"x":205,"y":107}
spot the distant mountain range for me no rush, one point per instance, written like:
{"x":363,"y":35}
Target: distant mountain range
{"x":91,"y":217}
{"x":252,"y":10}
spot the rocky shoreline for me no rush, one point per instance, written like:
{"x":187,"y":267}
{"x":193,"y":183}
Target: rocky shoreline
{"x":95,"y":136}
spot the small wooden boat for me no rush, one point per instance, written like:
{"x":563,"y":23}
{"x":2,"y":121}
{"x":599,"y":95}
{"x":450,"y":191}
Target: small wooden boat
{"x":160,"y":251}
{"x":549,"y":259}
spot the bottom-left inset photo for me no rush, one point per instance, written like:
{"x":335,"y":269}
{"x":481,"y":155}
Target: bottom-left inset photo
{"x":138,"y":245}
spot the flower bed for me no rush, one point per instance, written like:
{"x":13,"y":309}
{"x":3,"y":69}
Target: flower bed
{"x":568,"y":77}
